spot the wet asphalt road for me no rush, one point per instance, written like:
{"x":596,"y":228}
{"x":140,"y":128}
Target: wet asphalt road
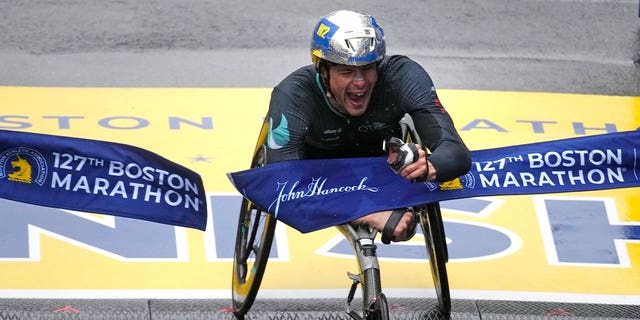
{"x":586,"y":46}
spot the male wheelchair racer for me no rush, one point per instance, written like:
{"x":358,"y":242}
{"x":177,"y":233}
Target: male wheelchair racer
{"x":254,"y":238}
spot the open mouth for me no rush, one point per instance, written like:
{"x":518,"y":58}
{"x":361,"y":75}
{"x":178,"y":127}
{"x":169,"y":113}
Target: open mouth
{"x":356,"y":99}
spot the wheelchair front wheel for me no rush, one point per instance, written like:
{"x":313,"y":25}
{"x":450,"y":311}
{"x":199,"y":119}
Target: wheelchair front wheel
{"x":382,"y":309}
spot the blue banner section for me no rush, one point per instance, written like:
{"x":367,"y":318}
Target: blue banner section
{"x":313,"y":194}
{"x":99,"y":177}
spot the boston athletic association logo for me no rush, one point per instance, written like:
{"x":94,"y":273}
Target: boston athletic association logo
{"x":23,"y":165}
{"x":466,"y":181}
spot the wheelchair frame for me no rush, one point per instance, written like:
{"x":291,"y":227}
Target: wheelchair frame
{"x":255,"y":235}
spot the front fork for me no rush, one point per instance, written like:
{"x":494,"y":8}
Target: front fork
{"x":362,"y":239}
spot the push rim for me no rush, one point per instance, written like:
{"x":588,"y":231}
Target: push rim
{"x":253,"y":245}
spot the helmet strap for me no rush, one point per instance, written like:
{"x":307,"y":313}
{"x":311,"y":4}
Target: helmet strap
{"x":323,"y":67}
{"x":323,"y":84}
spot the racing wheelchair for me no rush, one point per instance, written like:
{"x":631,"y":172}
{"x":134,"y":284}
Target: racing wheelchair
{"x":254,"y":236}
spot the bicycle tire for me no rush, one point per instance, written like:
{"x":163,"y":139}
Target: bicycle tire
{"x":254,"y":237}
{"x":433,"y":230}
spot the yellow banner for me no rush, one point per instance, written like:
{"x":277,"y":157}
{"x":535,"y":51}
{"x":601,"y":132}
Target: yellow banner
{"x":213,"y":132}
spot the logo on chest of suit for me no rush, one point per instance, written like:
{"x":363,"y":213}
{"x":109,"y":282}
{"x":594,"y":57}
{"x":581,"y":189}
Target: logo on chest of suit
{"x":375,"y":126}
{"x":331,"y":134}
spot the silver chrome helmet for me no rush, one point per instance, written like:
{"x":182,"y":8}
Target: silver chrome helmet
{"x":348,"y":38}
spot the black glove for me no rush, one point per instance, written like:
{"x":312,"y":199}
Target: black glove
{"x":406,"y":154}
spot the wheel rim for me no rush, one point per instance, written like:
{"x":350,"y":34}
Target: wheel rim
{"x":437,"y":262}
{"x":253,"y":244}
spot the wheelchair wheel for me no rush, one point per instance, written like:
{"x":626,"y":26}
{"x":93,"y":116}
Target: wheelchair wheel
{"x":433,"y":230}
{"x":253,"y":244}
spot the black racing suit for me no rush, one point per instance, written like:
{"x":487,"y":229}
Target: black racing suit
{"x":303,"y":125}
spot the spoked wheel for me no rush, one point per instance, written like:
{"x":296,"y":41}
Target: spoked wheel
{"x":433,"y":230}
{"x":253,"y":244}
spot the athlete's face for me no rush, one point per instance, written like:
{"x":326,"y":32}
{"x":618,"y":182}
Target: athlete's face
{"x":351,"y":87}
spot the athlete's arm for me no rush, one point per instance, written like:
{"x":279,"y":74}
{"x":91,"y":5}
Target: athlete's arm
{"x":449,"y":157}
{"x":289,"y":116}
